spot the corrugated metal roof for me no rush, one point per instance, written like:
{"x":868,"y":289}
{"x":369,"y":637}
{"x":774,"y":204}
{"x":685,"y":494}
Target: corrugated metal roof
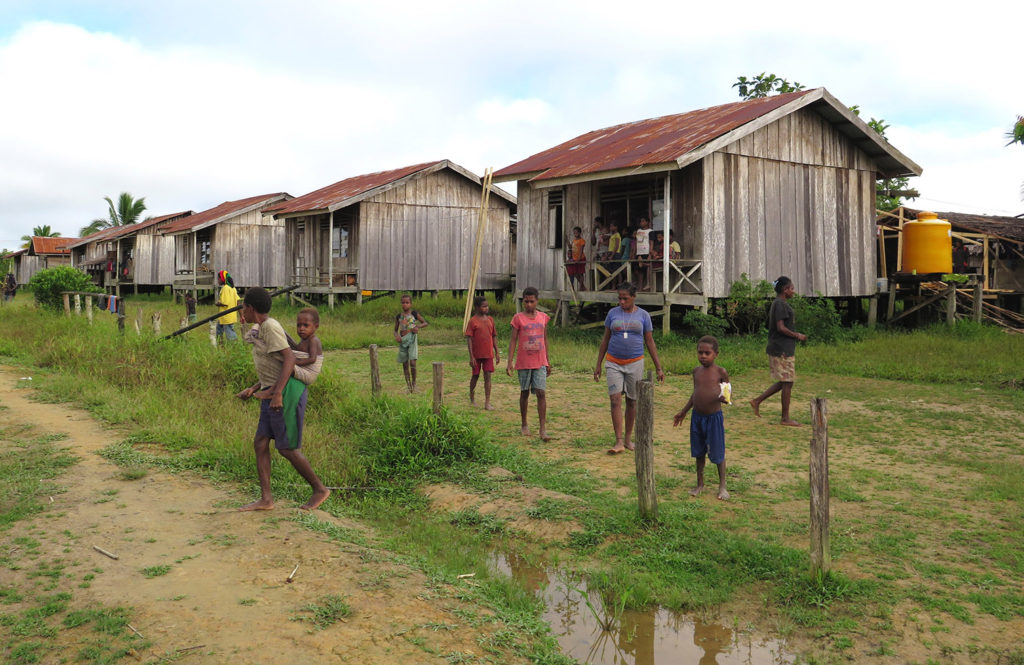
{"x":652,"y":141}
{"x":669,"y":138}
{"x":333,"y":195}
{"x":1007,"y":227}
{"x":226,"y":209}
{"x":42,"y":245}
{"x":112,"y":232}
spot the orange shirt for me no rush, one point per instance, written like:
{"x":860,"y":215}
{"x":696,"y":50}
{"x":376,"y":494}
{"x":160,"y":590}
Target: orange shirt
{"x":482,"y":335}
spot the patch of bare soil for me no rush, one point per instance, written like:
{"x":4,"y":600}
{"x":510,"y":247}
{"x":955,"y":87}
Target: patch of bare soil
{"x":226,"y":589}
{"x":511,"y":504}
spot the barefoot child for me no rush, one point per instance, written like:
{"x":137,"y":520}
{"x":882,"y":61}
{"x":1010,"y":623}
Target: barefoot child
{"x":482,"y":340}
{"x":408,"y":323}
{"x":282,"y":403}
{"x":707,"y":425}
{"x":530,"y":340}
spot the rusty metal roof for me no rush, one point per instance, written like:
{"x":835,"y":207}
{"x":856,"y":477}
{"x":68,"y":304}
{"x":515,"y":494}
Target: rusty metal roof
{"x":1011,"y":228}
{"x":652,"y":141}
{"x":41,"y":245}
{"x":335,"y":196}
{"x":668,"y":139}
{"x":227,"y":209}
{"x":113,"y":232}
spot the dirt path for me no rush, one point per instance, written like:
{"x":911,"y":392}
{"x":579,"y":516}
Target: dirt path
{"x":226,"y":586}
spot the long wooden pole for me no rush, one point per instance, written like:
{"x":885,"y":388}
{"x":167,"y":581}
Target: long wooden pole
{"x":374,"y":371}
{"x":821,"y":559}
{"x":220,"y":314}
{"x":438,"y":385}
{"x":481,"y":229}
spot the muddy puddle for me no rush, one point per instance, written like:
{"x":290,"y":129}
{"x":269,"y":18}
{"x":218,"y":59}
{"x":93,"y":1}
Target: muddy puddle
{"x":652,"y":637}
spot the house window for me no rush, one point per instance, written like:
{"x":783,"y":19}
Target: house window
{"x":339,"y":242}
{"x":625,"y":203}
{"x":555,"y":216}
{"x":300,"y":244}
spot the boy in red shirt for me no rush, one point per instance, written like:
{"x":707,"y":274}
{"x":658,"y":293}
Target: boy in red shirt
{"x":482,"y":341}
{"x":530,"y":340}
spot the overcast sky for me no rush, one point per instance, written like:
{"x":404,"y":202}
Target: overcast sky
{"x":191,"y":103}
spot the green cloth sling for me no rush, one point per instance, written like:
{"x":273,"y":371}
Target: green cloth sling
{"x":290,"y":397}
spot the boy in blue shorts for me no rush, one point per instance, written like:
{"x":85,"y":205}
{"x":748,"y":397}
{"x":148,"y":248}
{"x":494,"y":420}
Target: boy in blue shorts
{"x":282,"y":402}
{"x":707,"y":425}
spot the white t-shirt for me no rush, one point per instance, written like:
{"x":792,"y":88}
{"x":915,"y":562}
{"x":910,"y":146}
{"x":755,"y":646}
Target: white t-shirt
{"x":643,"y":241}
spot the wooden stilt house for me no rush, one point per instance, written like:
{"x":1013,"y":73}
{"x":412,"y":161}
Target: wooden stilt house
{"x":131,"y":256}
{"x":235,"y":236}
{"x":412,"y":228}
{"x":41,"y":253}
{"x":779,"y":185}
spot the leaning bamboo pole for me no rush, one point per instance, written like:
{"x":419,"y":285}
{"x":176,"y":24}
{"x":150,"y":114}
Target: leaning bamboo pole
{"x":481,"y":228}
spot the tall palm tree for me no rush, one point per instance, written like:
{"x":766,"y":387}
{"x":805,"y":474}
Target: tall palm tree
{"x":127,"y":211}
{"x":43,"y":231}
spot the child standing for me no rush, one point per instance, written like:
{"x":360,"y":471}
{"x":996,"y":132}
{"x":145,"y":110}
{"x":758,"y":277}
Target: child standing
{"x":600,"y":239}
{"x":576,"y":266}
{"x":530,"y":341}
{"x":190,"y":307}
{"x":707,"y":425}
{"x":408,"y":323}
{"x":282,"y":403}
{"x":482,"y":340}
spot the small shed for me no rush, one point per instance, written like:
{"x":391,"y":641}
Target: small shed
{"x":412,"y":228}
{"x":235,"y":236}
{"x":778,"y":185}
{"x":128,"y":256}
{"x":17,"y":261}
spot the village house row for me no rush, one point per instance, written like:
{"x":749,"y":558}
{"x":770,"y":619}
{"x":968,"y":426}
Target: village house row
{"x":778,"y":185}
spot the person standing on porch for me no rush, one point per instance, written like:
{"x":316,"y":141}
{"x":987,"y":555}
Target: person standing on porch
{"x":642,"y":253}
{"x":781,"y":349}
{"x":627,"y":331}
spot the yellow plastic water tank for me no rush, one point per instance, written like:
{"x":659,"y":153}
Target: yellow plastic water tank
{"x":927,"y":245}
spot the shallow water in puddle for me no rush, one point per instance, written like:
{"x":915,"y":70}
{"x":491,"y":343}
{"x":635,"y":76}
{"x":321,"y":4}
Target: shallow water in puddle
{"x":652,"y":637}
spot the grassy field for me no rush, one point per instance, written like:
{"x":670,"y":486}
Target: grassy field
{"x":927,"y":471}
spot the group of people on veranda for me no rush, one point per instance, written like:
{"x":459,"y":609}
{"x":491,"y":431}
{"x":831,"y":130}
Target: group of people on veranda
{"x":614,"y":245}
{"x":281,"y":366}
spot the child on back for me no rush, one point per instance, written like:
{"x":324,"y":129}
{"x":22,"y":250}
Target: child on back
{"x":282,"y":403}
{"x":707,"y":425}
{"x":408,"y":323}
{"x":308,"y":351}
{"x":482,"y":340}
{"x":530,"y":341}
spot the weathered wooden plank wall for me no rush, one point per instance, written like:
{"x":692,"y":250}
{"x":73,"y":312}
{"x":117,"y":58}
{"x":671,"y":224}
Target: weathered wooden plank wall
{"x":421,"y":236}
{"x":795,"y":197}
{"x":251,"y":247}
{"x":154,"y":259}
{"x":28,"y":266}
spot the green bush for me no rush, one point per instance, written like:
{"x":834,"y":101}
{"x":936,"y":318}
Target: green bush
{"x":406,"y":440}
{"x":699,"y":324}
{"x":817,"y":318}
{"x":746,"y":308}
{"x":47,"y":285}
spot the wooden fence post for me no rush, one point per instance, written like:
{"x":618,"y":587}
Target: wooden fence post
{"x":78,"y":305}
{"x":438,"y":385}
{"x":644,"y":453}
{"x":138,"y":321}
{"x":374,"y":371}
{"x":156,"y":323}
{"x":120,"y":315}
{"x":821,"y":560}
{"x":951,"y":304}
{"x":88,"y":308}
{"x":979,"y":297}
{"x":67,"y":304}
{"x":213,"y":333}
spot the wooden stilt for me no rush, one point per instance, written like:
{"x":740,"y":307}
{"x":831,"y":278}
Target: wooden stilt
{"x":872,"y":311}
{"x":67,"y":304}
